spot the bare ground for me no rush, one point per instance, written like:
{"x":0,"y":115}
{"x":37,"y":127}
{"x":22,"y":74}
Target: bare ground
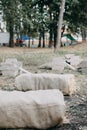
{"x":76,"y":104}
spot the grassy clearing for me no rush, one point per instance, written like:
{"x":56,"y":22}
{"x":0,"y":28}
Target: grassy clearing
{"x":35,"y":57}
{"x":32,"y":58}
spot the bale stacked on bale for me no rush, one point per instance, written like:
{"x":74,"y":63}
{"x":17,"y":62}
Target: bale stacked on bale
{"x":40,"y":109}
{"x":64,"y":82}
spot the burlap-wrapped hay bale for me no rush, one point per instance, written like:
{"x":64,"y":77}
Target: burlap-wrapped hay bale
{"x":10,"y":68}
{"x":63,"y":82}
{"x":82,"y":67}
{"x":40,"y":109}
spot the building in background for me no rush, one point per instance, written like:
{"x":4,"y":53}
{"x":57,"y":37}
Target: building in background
{"x":2,"y":23}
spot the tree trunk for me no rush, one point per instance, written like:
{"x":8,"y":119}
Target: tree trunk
{"x":58,"y":41}
{"x":50,"y":38}
{"x":39,"y":45}
{"x":83,"y":32}
{"x":55,"y":37}
{"x":51,"y":31}
{"x":11,"y":41}
{"x":43,"y":40}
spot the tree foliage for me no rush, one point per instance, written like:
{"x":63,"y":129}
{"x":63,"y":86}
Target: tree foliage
{"x":31,"y":17}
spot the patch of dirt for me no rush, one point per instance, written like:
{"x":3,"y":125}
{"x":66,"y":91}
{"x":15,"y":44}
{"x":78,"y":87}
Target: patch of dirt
{"x":76,"y":105}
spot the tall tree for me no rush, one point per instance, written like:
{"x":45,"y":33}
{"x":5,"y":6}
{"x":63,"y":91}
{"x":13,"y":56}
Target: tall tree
{"x":60,"y":21}
{"x":10,"y":11}
{"x":76,"y":16}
